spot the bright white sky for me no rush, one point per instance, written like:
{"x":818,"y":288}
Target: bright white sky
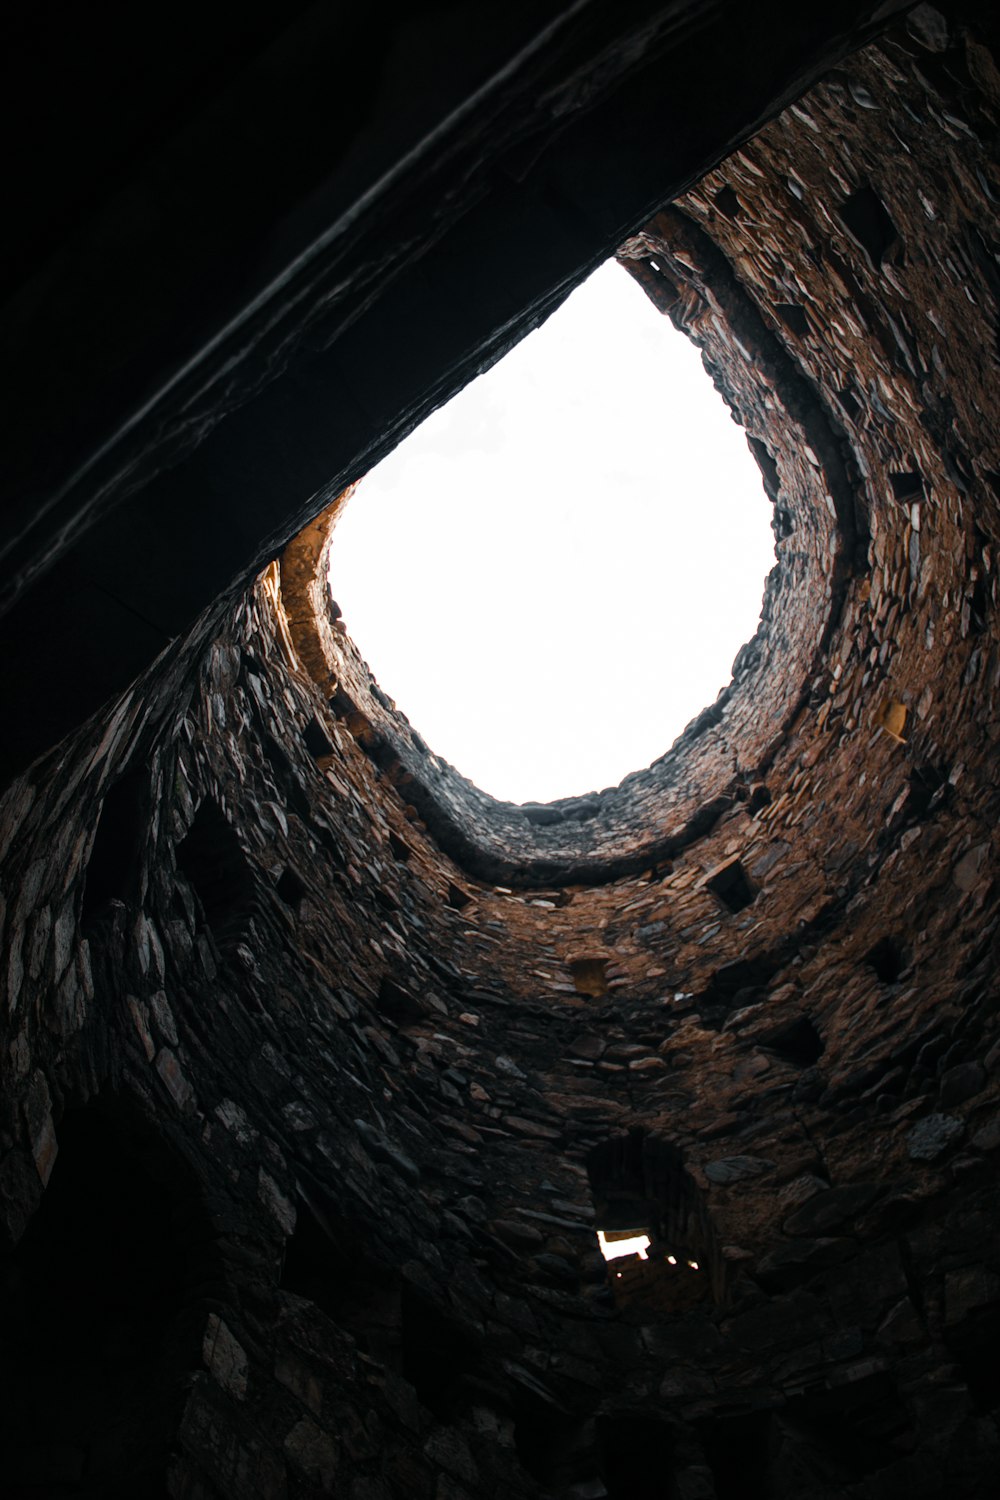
{"x":553,"y":574}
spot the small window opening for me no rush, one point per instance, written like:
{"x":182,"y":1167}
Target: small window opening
{"x":929,"y":790}
{"x":329,"y":1262}
{"x":760,"y":797}
{"x":400,"y":848}
{"x":767,"y":465}
{"x":365,"y":735}
{"x":115,"y":863}
{"x":617,"y":1242}
{"x":316,"y":740}
{"x":251,"y":666}
{"x":457,"y":898}
{"x":341,"y":703}
{"x":888,"y":958}
{"x":797,"y":1042}
{"x":732,"y":885}
{"x":290,"y":888}
{"x":866,"y":219}
{"x":728,"y":203}
{"x":907,"y":486}
{"x":979,"y":604}
{"x":849,"y":402}
{"x":795,"y":318}
{"x":741,"y":983}
{"x":590,"y":976}
{"x":654,"y":1232}
{"x":890,"y":717}
{"x":211,"y":858}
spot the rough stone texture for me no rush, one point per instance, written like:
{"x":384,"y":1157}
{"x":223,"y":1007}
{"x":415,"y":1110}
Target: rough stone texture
{"x":308,"y":1120}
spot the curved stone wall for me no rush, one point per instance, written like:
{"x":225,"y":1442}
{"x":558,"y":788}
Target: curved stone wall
{"x":725,"y":751}
{"x":374,"y":1103}
{"x":823,"y":302}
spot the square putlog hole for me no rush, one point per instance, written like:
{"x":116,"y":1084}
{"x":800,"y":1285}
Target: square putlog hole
{"x":316,"y":740}
{"x":590,"y":976}
{"x":732,"y":885}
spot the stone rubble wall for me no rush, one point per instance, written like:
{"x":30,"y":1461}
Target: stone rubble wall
{"x":226,"y":913}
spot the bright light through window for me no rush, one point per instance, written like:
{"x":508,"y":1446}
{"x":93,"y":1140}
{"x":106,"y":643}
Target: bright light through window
{"x":636,"y":1244}
{"x":553,"y":575}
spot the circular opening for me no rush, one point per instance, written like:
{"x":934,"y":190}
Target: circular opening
{"x":553,"y":574}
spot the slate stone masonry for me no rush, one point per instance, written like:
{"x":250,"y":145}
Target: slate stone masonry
{"x":321,"y":1066}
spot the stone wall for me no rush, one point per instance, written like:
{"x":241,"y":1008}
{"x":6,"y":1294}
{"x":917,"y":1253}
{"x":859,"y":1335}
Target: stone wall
{"x":323,"y":1068}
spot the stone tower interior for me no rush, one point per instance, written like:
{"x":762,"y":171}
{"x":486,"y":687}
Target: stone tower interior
{"x":321,"y":1067}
